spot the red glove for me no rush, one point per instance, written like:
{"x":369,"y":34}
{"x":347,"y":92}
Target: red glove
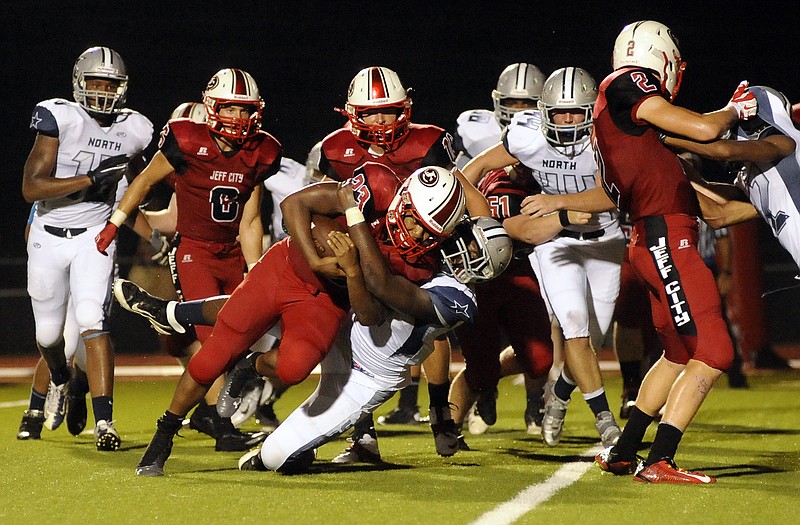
{"x":105,"y":237}
{"x":744,"y":102}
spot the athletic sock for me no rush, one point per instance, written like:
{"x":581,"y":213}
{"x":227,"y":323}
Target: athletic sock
{"x":597,"y":401}
{"x":409,"y":395}
{"x":190,"y":313}
{"x":365,"y":425}
{"x":438,"y":394}
{"x":170,"y":423}
{"x":563,"y":388}
{"x":631,"y":375}
{"x":103,"y":408}
{"x":37,"y":400}
{"x":632,"y":435}
{"x":665,"y":443}
{"x":59,"y":375}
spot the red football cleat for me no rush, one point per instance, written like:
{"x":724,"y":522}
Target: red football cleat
{"x":609,"y":461}
{"x":665,"y":471}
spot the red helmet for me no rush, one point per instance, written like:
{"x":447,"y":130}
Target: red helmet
{"x":434,"y":198}
{"x":233,"y":86}
{"x":371,"y":90}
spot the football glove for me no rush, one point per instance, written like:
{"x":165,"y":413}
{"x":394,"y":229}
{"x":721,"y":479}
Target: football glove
{"x":105,"y":237}
{"x":108,"y":172}
{"x":161,"y":247}
{"x":744,"y":102}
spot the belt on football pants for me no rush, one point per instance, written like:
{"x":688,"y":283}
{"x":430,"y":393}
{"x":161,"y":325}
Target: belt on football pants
{"x":67,"y":233}
{"x":584,"y":236}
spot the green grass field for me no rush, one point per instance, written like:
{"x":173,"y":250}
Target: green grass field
{"x":749,"y":439}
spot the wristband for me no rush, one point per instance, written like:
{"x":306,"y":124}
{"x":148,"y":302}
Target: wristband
{"x":563,"y":218}
{"x":354,"y":216}
{"x":118,"y":217}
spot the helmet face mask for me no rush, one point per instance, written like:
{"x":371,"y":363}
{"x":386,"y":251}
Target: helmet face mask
{"x":651,"y":45}
{"x":479,"y":250}
{"x":517,"y":83}
{"x":377,"y":90}
{"x":434,"y":199}
{"x":573,"y":90}
{"x":233,"y":87}
{"x":100,"y":63}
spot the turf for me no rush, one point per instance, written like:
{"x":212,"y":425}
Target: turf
{"x":749,"y":439}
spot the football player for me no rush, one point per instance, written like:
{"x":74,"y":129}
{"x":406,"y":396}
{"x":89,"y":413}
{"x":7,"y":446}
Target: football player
{"x":641,"y":176}
{"x":379,"y":129}
{"x":581,"y":265}
{"x":82,"y":150}
{"x":217,"y":167}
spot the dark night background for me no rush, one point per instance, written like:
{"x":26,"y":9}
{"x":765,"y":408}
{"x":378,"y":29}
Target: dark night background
{"x":303,"y":55}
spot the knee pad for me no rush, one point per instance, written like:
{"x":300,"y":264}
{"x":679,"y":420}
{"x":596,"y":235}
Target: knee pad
{"x":48,"y":335}
{"x":89,"y":316}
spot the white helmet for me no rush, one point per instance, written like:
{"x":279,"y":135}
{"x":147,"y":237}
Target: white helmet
{"x":100,"y":62}
{"x":568,"y":88}
{"x":518,"y":81}
{"x":651,"y":45}
{"x":479,"y":250}
{"x":434,"y":198}
{"x":375,"y":88}
{"x":191,"y":110}
{"x":233,"y":86}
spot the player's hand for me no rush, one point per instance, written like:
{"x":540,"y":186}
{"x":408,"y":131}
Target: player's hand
{"x":161,"y":247}
{"x":105,"y":237}
{"x":540,"y":204}
{"x":109,"y":171}
{"x":345,"y":194}
{"x":345,"y":251}
{"x":743,"y":101}
{"x":328,"y":267}
{"x":578,"y":217}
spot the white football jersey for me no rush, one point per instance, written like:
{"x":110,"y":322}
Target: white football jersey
{"x":476,"y":130}
{"x":555,"y":172}
{"x":774,"y":187}
{"x":83,"y":144}
{"x":382,"y":354}
{"x":290,"y":178}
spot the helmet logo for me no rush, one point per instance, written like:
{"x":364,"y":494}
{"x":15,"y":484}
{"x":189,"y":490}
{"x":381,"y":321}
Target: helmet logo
{"x":213,"y":82}
{"x":429,"y":178}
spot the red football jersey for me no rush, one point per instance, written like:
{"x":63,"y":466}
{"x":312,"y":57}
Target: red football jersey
{"x":424,"y":145}
{"x":212,"y":187}
{"x":639,"y":173}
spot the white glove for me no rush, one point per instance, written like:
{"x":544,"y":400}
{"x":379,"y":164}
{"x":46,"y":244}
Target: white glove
{"x":160,"y":245}
{"x":744,"y":102}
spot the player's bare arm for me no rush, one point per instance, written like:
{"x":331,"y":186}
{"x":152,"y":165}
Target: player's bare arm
{"x":251,"y":229}
{"x":38,"y":182}
{"x":157,"y":170}
{"x":297,"y":209}
{"x":367,"y":309}
{"x":495,"y":157}
{"x":685,"y":122}
{"x":593,"y":200}
{"x":768,"y":149}
{"x":477,"y":205}
{"x":393,"y":290}
{"x":538,"y":230}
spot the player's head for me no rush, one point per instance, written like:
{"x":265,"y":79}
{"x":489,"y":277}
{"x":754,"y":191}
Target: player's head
{"x":100,"y":81}
{"x":518,"y":87}
{"x":233,"y":104}
{"x":566,"y":105}
{"x":651,"y":45}
{"x":479,"y":250}
{"x":378,"y":107}
{"x":425,"y":211}
{"x":191,"y":110}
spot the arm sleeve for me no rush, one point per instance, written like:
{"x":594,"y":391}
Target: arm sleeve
{"x":44,"y":122}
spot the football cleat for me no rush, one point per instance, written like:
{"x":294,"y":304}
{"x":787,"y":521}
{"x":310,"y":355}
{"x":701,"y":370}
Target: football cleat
{"x":447,"y":436}
{"x":628,"y":402}
{"x":486,"y":406}
{"x":156,"y":455}
{"x":363,"y":449}
{"x":54,"y":405}
{"x":607,"y":427}
{"x":76,"y":411}
{"x":534,"y":414}
{"x":134,"y":299}
{"x":251,"y":395}
{"x":231,"y":439}
{"x":230,"y":397}
{"x":665,"y":471}
{"x":555,"y":410}
{"x":252,"y":461}
{"x":475,"y":423}
{"x":202,"y":420}
{"x":610,"y":461}
{"x":401,"y":416}
{"x":106,"y":437}
{"x":31,"y":425}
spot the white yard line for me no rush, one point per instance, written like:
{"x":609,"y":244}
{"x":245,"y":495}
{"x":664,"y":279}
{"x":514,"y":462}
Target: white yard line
{"x":535,"y":495}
